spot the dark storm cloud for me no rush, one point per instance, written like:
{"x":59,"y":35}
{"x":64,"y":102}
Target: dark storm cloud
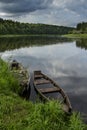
{"x":6,"y":1}
{"x":60,"y":12}
{"x":23,"y":6}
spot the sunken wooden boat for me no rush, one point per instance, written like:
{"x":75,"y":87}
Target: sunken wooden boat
{"x":22,"y":75}
{"x":45,"y":86}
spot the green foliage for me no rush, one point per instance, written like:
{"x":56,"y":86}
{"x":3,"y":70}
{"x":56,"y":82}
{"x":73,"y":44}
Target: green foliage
{"x":14,"y":112}
{"x":7,"y":81}
{"x":47,"y":116}
{"x":76,"y":35}
{"x":11,"y":27}
{"x":76,"y":123}
{"x":82,"y":27}
{"x":19,"y":114}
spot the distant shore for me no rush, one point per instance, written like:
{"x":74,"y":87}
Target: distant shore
{"x":46,"y":35}
{"x":30,"y":35}
{"x":75,"y":35}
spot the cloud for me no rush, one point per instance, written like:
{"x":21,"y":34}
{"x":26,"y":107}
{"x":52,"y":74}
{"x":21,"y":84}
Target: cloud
{"x":24,"y":6}
{"x":60,"y":12}
{"x":79,"y":7}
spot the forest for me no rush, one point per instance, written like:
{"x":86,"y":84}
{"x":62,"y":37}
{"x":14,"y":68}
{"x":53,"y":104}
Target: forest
{"x":82,"y":27}
{"x":14,"y":27}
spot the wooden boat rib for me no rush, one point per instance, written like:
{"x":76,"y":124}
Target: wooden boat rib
{"x":40,"y":79}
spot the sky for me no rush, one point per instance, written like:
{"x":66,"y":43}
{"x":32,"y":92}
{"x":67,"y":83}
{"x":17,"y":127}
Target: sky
{"x":55,"y":12}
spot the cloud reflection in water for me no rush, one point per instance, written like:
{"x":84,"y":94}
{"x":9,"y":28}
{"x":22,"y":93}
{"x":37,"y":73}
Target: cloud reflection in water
{"x":65,"y":63}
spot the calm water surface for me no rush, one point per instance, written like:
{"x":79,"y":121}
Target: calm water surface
{"x":63,"y":60}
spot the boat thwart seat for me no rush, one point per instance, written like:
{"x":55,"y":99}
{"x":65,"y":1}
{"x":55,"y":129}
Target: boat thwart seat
{"x":49,"y":90}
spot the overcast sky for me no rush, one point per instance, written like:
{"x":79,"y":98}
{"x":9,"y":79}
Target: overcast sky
{"x":59,"y":12}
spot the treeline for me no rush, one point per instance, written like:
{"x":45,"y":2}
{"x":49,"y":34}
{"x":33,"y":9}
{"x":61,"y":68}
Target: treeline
{"x":13,"y":27}
{"x":82,"y":27}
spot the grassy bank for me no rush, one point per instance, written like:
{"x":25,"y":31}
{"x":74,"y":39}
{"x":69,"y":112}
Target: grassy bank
{"x":75,"y":35}
{"x":19,"y":114}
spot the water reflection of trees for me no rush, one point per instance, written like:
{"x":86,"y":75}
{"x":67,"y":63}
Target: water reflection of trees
{"x":82,"y":43}
{"x":18,"y":42}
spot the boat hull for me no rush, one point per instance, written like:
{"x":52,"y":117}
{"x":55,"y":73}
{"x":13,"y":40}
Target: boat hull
{"x":22,"y":75}
{"x":41,"y":79}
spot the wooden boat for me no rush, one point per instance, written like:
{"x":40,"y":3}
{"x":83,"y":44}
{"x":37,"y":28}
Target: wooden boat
{"x":22,"y":75}
{"x":41,"y":79}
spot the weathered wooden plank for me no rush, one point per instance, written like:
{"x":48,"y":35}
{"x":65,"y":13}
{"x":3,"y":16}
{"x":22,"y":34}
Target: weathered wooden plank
{"x":37,"y":72}
{"x":38,"y":76}
{"x":49,"y":90}
{"x":43,"y":81}
{"x":65,"y":108}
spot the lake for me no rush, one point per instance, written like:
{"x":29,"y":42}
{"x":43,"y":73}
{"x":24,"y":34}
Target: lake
{"x":64,"y":60}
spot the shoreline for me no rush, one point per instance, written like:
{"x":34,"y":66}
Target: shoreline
{"x":29,"y":35}
{"x":75,"y":35}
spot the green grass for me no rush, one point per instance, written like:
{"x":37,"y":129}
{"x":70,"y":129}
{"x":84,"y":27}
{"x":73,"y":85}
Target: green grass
{"x":75,"y":35}
{"x":7,"y":81}
{"x":18,"y":114}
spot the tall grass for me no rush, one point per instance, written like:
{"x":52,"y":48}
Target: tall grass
{"x":19,"y":114}
{"x":75,"y":122}
{"x":50,"y":116}
{"x":8,"y":82}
